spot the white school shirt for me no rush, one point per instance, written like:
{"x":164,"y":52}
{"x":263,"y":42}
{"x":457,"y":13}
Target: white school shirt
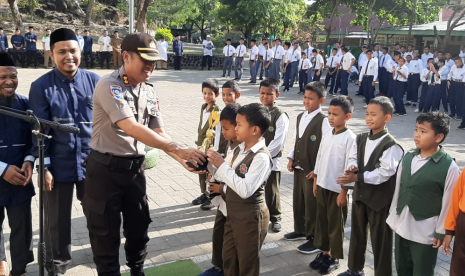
{"x":268,"y":55}
{"x":423,"y":73}
{"x":253,"y":52}
{"x":241,"y":50}
{"x":436,"y":60}
{"x":229,"y":51}
{"x":279,"y":140}
{"x":443,"y":72}
{"x":46,"y":42}
{"x":319,"y":62}
{"x":425,"y":57}
{"x":304,"y":121}
{"x":208,"y":47}
{"x":333,"y":157}
{"x":256,"y":175}
{"x":278,"y":52}
{"x":308,"y":51}
{"x":361,"y":59}
{"x":295,"y":55}
{"x":415,"y":66}
{"x":286,"y":57}
{"x":432,"y":78}
{"x":261,"y":50}
{"x":388,"y":162}
{"x":450,"y":63}
{"x":379,"y":54}
{"x":339,"y":53}
{"x":218,"y":200}
{"x":331,"y":62}
{"x":347,"y":61}
{"x":385,"y":58}
{"x":388,"y":64}
{"x":456,"y":73}
{"x":462,"y":56}
{"x":354,"y":69}
{"x":408,"y":53}
{"x":370,"y":68}
{"x":405,"y":224}
{"x":304,"y":64}
{"x":404,"y":70}
{"x":104,"y":42}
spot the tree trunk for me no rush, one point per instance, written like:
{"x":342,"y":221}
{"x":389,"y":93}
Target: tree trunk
{"x":90,"y":6}
{"x":15,"y":13}
{"x":412,"y":19}
{"x":328,"y":30}
{"x":141,"y":24}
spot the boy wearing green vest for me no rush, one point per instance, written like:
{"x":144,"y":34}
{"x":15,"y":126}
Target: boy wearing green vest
{"x":310,"y":126}
{"x":245,"y":174}
{"x":210,"y":91}
{"x":425,"y":182}
{"x":374,"y":173}
{"x":331,"y":198}
{"x":228,"y":129}
{"x":275,"y":138}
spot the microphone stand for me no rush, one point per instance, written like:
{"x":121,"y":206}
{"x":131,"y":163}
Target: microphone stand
{"x":39,"y":124}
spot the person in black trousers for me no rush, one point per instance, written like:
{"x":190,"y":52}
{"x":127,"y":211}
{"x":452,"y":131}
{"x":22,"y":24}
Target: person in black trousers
{"x":177,"y":52}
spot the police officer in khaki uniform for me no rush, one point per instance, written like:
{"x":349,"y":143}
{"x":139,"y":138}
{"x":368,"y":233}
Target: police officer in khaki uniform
{"x":116,"y":45}
{"x":126,"y":118}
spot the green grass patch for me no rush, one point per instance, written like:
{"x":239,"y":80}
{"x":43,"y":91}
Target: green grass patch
{"x":179,"y":268}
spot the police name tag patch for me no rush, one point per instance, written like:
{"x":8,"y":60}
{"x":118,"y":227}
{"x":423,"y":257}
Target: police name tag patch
{"x":116,"y":91}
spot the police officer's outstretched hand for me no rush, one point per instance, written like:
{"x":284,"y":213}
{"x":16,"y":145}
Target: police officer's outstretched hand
{"x":191,"y":154}
{"x":14,"y":176}
{"x":49,"y":181}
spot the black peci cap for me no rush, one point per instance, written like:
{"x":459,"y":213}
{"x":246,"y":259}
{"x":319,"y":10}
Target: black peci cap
{"x":6,"y":60}
{"x":62,"y":34}
{"x":143,"y":44}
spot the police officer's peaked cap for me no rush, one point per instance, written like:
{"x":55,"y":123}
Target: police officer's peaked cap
{"x":143,"y":44}
{"x":6,"y":60}
{"x":62,"y":34}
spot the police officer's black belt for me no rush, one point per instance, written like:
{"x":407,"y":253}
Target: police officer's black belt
{"x":117,"y":162}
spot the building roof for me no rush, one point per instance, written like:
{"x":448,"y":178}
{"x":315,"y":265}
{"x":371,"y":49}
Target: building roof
{"x":424,"y":29}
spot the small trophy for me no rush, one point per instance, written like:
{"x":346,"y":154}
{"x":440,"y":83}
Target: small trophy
{"x":208,"y":141}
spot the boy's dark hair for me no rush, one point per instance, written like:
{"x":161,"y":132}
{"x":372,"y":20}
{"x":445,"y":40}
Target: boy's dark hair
{"x":256,"y":114}
{"x":317,"y":87}
{"x":396,"y":44}
{"x":212,"y":84}
{"x":426,"y":47}
{"x":345,"y":102}
{"x":266,"y":43}
{"x":439,"y":121}
{"x":273,"y":83}
{"x":233,"y":85}
{"x":229,"y":113}
{"x":441,"y":60}
{"x":369,"y":51}
{"x":386,"y":49}
{"x":397,"y":53}
{"x":287,"y":43}
{"x":402,"y":58}
{"x":377,"y":44}
{"x":385,"y":104}
{"x":344,"y":49}
{"x":430,"y":59}
{"x":115,"y":32}
{"x":334,"y":49}
{"x":314,"y":50}
{"x":303,"y":53}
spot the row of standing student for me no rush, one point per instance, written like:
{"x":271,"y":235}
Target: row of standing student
{"x":366,"y":163}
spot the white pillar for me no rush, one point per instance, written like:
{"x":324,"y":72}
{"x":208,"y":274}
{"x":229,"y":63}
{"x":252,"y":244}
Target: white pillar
{"x":131,"y":16}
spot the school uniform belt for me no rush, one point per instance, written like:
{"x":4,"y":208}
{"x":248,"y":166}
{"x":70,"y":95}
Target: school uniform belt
{"x":456,"y":80}
{"x":433,"y":84}
{"x":294,"y":62}
{"x":368,"y":76}
{"x":414,"y":73}
{"x":117,"y":162}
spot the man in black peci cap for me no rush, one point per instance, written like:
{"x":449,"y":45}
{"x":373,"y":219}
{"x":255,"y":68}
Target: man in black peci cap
{"x":63,"y":95}
{"x":16,"y":188}
{"x":126,"y":118}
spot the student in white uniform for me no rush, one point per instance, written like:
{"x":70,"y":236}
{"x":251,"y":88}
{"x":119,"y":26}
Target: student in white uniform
{"x":443,"y":72}
{"x":426,"y":55}
{"x":424,"y":86}
{"x":261,"y":54}
{"x":368,"y":77}
{"x":332,"y":71}
{"x":278,"y":53}
{"x":304,"y":67}
{"x":456,"y":91}
{"x":318,"y":65}
{"x":208,"y":47}
{"x":414,"y":82}
{"x":400,"y":80}
{"x":267,"y":60}
{"x":253,"y":61}
{"x":433,"y":94}
{"x":241,"y":51}
{"x":228,"y":52}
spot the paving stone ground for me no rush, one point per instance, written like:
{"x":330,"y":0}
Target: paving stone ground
{"x":182,"y":231}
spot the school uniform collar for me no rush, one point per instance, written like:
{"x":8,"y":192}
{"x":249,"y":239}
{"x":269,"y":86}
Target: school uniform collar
{"x":313,"y":113}
{"x":204,"y":106}
{"x":255,"y":148}
{"x":233,"y":145}
{"x":340,"y":131}
{"x":436,"y":157}
{"x":378,"y":135}
{"x":64,"y":78}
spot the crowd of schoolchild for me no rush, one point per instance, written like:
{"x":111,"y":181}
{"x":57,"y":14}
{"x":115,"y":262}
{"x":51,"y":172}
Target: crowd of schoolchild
{"x":410,"y":198}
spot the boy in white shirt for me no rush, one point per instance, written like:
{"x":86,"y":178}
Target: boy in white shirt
{"x":253,"y":61}
{"x":318,"y":65}
{"x":331,"y":198}
{"x":304,"y":66}
{"x":424,"y":86}
{"x":400,"y":76}
{"x":368,"y":77}
{"x":228,"y":52}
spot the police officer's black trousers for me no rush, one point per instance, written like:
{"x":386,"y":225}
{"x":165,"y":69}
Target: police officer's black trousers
{"x":57,"y":231}
{"x":20,"y":221}
{"x":109,"y":192}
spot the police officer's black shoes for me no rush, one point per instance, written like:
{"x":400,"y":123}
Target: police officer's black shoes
{"x":200,"y":200}
{"x":207,"y":205}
